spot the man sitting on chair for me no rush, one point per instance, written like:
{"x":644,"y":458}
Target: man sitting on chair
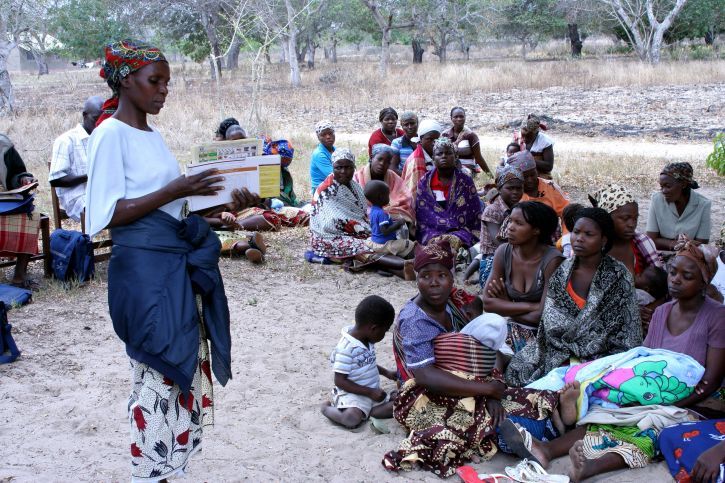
{"x":69,"y":166}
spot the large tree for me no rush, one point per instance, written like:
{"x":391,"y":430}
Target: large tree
{"x":15,"y":20}
{"x":389,"y":16}
{"x":529,"y":21}
{"x":645,"y":23}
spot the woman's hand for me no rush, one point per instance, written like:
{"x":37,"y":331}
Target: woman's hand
{"x":228,"y":218}
{"x":707,"y":466}
{"x":26,"y":180}
{"x":242,"y":199}
{"x":196,"y":185}
{"x":378,"y":395}
{"x":494,"y":408}
{"x":497,"y":289}
{"x":493,"y":389}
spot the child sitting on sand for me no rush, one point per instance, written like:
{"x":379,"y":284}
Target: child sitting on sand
{"x":357,"y":394}
{"x":385,"y":231}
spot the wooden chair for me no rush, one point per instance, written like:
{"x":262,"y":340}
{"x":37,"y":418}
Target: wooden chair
{"x":59,"y":215}
{"x":44,"y":254}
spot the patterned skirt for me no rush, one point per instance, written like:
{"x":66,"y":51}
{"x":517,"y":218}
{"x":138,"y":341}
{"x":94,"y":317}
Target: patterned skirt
{"x":636,"y":447}
{"x":19,"y":234}
{"x":166,"y":424}
{"x":445,"y":432}
{"x":288,"y":216}
{"x":519,"y":336}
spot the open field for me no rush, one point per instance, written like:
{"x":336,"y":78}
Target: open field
{"x":64,"y":402}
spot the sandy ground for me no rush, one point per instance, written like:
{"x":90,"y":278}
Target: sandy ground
{"x":64,"y":401}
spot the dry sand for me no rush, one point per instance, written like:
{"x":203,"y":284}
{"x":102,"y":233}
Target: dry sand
{"x":64,"y":401}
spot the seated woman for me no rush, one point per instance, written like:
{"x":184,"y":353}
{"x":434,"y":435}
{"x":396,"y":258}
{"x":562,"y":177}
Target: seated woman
{"x":447,"y":204}
{"x":18,"y":231}
{"x":221,"y":132}
{"x":590,"y":309}
{"x":388,"y":130}
{"x":379,"y":169}
{"x":452,"y":414}
{"x":404,"y":145}
{"x":510,"y":188}
{"x":522,"y":268}
{"x":677,"y":209}
{"x":537,"y":188}
{"x":339,"y":227}
{"x":421,"y":159}
{"x":690,"y":324}
{"x":321,"y":162}
{"x":286,"y":153}
{"x":469,"y":147}
{"x":540,"y":145}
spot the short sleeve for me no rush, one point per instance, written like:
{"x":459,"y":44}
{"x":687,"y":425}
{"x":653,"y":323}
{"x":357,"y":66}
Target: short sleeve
{"x":652,"y":225}
{"x":341,"y":361}
{"x":472,"y":138}
{"x":60,"y":160}
{"x":716,"y":327}
{"x":417,"y":336}
{"x":105,"y":169}
{"x":703,"y":231}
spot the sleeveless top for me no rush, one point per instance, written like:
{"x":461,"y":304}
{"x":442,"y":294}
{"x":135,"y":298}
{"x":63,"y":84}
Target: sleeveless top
{"x":537,"y":289}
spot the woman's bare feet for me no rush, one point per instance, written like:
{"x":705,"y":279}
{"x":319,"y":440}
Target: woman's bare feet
{"x":578,"y":462}
{"x":567,"y":402}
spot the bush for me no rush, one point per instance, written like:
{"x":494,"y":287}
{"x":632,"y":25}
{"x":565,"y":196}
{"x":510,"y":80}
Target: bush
{"x":716,"y":159}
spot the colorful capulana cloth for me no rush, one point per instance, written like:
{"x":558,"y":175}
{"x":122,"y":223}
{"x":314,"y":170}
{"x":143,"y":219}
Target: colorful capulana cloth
{"x":400,"y":198}
{"x":459,"y":217}
{"x":506,"y":173}
{"x":608,"y":324}
{"x":438,"y":251}
{"x":705,"y":259}
{"x":339,"y":226}
{"x":681,"y":445}
{"x":121,"y":59}
{"x":636,"y":447}
{"x":611,"y":197}
{"x":681,"y":172}
{"x":324,"y":125}
{"x":19,"y":234}
{"x":167,"y":424}
{"x":641,"y":376}
{"x":280,"y":146}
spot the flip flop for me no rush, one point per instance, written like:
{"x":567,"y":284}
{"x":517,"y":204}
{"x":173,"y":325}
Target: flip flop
{"x":469,"y":475}
{"x":531,"y":472}
{"x":517,"y":439}
{"x":379,"y":426}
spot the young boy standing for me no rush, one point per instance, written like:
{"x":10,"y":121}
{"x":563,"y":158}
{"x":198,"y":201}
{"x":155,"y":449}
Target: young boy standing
{"x":357,"y":394}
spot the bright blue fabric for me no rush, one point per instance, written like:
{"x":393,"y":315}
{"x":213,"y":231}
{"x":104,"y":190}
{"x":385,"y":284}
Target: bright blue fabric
{"x":404,"y":147}
{"x":378,"y":219}
{"x":158,"y":266}
{"x":683,"y":443}
{"x":320,"y":165}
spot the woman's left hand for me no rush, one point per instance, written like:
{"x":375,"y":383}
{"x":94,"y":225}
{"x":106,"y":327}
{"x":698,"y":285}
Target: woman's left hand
{"x":495,"y":409}
{"x":497,"y":289}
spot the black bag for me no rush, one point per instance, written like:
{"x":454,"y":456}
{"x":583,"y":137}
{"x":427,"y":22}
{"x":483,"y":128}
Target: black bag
{"x":8,"y":350}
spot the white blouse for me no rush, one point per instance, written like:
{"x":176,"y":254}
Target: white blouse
{"x":126,"y":163}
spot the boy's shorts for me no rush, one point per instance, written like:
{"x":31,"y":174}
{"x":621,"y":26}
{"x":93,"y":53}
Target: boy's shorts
{"x":344,"y":400}
{"x":400,"y":248}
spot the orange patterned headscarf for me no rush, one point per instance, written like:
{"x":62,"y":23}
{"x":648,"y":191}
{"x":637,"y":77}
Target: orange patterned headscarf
{"x":702,"y":255}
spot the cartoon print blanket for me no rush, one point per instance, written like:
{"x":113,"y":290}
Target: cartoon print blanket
{"x":638,"y":377}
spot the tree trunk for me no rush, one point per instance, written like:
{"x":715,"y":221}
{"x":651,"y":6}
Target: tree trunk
{"x":233,"y":55}
{"x":523,"y":49}
{"x":326,"y":52}
{"x":710,"y":37}
{"x":7,"y":96}
{"x":42,"y":62}
{"x":385,"y":51}
{"x":333,"y":50}
{"x":418,"y":51}
{"x":295,"y":79}
{"x":212,"y":67}
{"x":283,"y":50}
{"x":310,"y":53}
{"x":209,"y":24}
{"x":575,"y":40}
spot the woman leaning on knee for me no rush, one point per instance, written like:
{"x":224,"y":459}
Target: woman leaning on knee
{"x":135,"y":188}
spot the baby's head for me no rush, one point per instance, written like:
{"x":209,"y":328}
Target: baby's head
{"x":235,"y":133}
{"x":473,"y":309}
{"x":569,"y":215}
{"x":377,"y":193}
{"x":512,"y":149}
{"x":652,"y":280}
{"x":373,"y":317}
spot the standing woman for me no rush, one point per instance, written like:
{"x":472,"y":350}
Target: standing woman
{"x":469,"y":147}
{"x":677,"y":209}
{"x":388,"y":131}
{"x":135,"y":188}
{"x":540,"y":145}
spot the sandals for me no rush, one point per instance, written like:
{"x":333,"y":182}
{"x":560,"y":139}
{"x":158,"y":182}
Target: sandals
{"x":517,"y":439}
{"x":532,"y":472}
{"x":469,"y":475}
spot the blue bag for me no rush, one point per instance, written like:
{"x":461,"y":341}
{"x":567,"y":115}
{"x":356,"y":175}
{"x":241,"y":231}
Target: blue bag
{"x":72,"y":255}
{"x":8,"y":350}
{"x":13,"y":296}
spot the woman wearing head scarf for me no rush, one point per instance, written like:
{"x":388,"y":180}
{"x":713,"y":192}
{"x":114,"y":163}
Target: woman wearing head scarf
{"x":446,"y":203}
{"x":451,"y":394}
{"x":537,"y":188}
{"x":379,"y":169}
{"x":541,"y":146}
{"x":339,"y":227}
{"x":388,"y":130}
{"x":677,"y":209}
{"x":321,"y":162}
{"x":135,"y":189}
{"x":420,"y":160}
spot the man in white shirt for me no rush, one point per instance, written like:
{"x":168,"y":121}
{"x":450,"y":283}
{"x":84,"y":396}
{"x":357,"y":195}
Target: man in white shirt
{"x":69,"y":164}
